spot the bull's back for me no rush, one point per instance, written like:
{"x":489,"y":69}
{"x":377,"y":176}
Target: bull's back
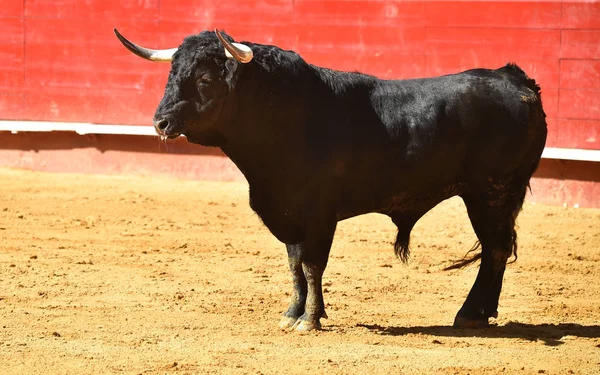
{"x":440,"y":134}
{"x":478,"y":121}
{"x":509,"y":129}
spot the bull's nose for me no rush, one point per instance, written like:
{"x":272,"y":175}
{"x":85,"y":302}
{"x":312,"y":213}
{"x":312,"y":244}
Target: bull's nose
{"x":161,"y":124}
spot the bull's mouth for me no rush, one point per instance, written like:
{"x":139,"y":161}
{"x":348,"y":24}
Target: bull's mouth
{"x":168,"y":133}
{"x":164,"y":137}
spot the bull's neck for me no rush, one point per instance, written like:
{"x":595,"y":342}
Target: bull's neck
{"x":277,"y":115}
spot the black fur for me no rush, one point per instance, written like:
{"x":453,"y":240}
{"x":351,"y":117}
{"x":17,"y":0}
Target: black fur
{"x":318,"y":146}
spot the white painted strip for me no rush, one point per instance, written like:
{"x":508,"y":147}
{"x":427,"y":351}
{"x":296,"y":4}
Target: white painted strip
{"x":571,"y":154}
{"x":87,"y":128}
{"x":78,"y":127}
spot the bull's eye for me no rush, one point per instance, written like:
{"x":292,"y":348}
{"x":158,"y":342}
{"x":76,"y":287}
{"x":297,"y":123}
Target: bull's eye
{"x":203,"y":81}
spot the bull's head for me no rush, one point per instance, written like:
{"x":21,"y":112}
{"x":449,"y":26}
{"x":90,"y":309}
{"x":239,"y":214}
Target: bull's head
{"x":203,"y":72}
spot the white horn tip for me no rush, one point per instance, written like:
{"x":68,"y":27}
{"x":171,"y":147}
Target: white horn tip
{"x":247,"y":50}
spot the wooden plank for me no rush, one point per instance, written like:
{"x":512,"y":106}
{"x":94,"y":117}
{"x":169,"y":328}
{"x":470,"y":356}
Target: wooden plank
{"x":383,"y":65}
{"x":575,"y":133}
{"x":502,"y":43}
{"x":11,"y":31}
{"x":580,"y":44}
{"x":552,"y":138}
{"x":579,"y":104}
{"x":580,"y":74}
{"x":11,"y":69}
{"x":94,"y":58}
{"x":494,"y":14}
{"x":568,"y":183}
{"x":581,"y":15}
{"x":11,"y":105}
{"x":550,"y":101}
{"x":172,"y":33}
{"x":243,"y":12}
{"x":11,"y":53}
{"x":98,"y":11}
{"x":11,"y":9}
{"x":363,"y":39}
{"x":360,"y":13}
{"x":91,"y":105}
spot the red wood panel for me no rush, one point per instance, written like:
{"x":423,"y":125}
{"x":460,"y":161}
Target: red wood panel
{"x":11,"y":70}
{"x":207,"y":13}
{"x":11,"y":53}
{"x":580,"y":74}
{"x":360,"y":12}
{"x":75,"y":70}
{"x":579,"y":133}
{"x":11,"y":31}
{"x":505,"y":44}
{"x":579,"y":104}
{"x":283,"y":36}
{"x":550,"y":99}
{"x":91,"y":105}
{"x":581,"y":15}
{"x":580,"y":44}
{"x":11,"y":8}
{"x":494,"y":14}
{"x":172,"y":33}
{"x":97,"y":11}
{"x":552,"y":138}
{"x":567,"y":182}
{"x":266,"y":22}
{"x":386,"y":65}
{"x":56,"y":58}
{"x":362,"y":39}
{"x":11,"y":105}
{"x":11,"y":59}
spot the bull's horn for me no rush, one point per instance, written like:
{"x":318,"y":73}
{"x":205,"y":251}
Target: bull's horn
{"x":238,"y":51}
{"x":162,"y":55}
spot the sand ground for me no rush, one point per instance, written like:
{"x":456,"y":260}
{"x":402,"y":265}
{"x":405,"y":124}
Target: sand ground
{"x":139,"y":275}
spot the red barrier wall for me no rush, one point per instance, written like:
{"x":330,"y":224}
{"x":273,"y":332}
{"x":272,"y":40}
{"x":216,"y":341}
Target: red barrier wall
{"x":59,"y":61}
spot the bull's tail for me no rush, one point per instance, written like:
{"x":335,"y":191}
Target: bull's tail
{"x":466,"y":260}
{"x":512,"y":198}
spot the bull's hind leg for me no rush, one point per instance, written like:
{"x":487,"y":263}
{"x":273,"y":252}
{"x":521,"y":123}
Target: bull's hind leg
{"x":492,"y":213}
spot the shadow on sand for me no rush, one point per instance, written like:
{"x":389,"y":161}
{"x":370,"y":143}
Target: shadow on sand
{"x":550,"y":334}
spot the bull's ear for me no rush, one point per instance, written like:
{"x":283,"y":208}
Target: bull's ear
{"x":232,"y":72}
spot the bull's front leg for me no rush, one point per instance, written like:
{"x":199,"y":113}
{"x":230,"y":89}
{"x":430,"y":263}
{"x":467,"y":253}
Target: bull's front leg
{"x":307,"y":263}
{"x":314,"y":308}
{"x":298,"y":300}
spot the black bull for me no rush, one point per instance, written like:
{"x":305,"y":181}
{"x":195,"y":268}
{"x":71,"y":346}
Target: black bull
{"x":318,"y":146}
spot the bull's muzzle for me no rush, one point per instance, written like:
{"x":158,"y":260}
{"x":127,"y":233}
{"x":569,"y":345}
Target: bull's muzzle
{"x":164,"y":129}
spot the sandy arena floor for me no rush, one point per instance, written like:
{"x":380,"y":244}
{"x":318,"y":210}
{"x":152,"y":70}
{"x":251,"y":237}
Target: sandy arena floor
{"x":149,"y":276}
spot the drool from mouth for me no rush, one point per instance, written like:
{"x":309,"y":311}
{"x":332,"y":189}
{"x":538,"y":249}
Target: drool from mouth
{"x":164,"y":137}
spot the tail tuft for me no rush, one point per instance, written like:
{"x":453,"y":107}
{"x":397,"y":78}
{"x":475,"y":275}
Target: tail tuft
{"x":401,"y":246}
{"x":466,"y":261}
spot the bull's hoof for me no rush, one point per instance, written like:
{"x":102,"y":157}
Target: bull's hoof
{"x":305,"y":326}
{"x":462,"y":322}
{"x":287,"y":322}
